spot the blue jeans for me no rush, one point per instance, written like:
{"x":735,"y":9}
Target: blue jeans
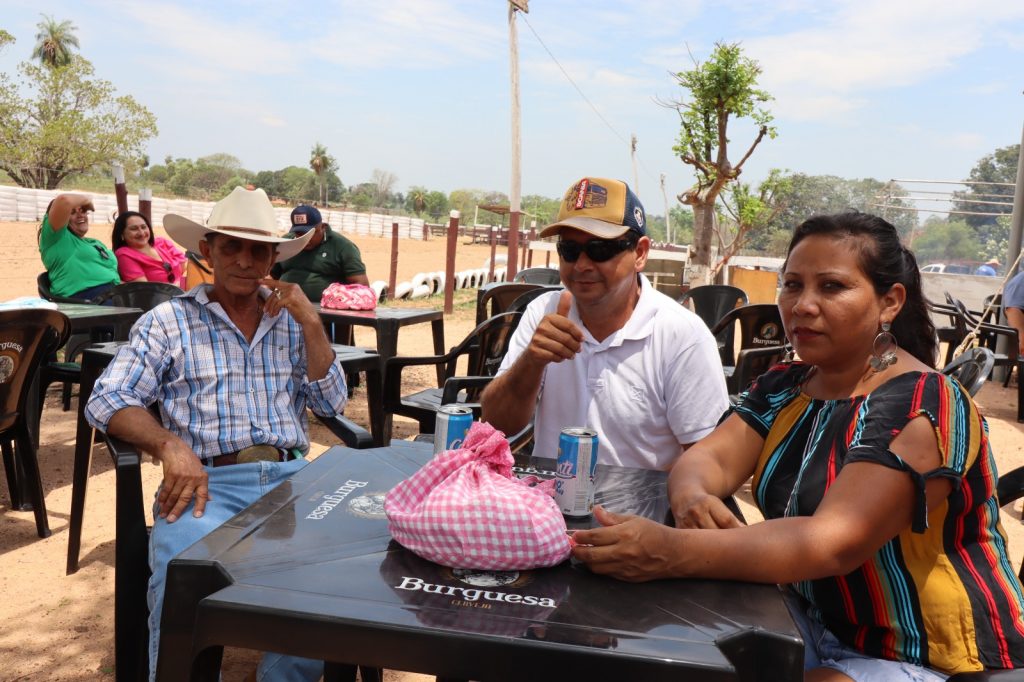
{"x":232,"y":489}
{"x":823,"y":650}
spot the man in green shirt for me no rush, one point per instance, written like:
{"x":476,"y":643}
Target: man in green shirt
{"x":327,"y":258}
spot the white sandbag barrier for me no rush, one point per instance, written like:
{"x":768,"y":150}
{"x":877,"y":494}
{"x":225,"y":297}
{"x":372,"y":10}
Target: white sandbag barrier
{"x":26,"y":204}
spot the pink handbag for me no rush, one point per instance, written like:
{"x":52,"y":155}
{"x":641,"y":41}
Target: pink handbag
{"x":465,"y":509}
{"x":340,"y":296}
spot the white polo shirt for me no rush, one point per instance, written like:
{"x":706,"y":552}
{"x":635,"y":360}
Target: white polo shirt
{"x":649,"y":387}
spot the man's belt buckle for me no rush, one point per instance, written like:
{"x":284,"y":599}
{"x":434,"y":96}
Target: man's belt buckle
{"x":259,"y":453}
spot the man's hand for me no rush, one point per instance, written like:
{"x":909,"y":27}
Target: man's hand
{"x":184,"y":478}
{"x":556,"y":337}
{"x":629,"y":548}
{"x":288,"y":295}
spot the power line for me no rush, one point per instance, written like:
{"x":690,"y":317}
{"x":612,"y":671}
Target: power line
{"x":581,"y":93}
{"x":957,"y":182}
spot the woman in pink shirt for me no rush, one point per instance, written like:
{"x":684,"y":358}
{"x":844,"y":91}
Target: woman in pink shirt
{"x":140,"y":256}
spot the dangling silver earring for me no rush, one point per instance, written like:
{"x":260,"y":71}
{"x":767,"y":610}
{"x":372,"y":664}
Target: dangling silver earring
{"x":883,"y":349}
{"x":790,"y":354}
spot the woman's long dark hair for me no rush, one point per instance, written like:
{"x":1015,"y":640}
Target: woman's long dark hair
{"x":885,"y":261}
{"x":117,"y":236}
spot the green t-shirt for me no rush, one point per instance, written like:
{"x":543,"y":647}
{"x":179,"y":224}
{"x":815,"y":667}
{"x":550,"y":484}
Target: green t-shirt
{"x":75,"y":263}
{"x":335,"y":260}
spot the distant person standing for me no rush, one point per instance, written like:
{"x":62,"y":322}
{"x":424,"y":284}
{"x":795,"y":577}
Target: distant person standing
{"x":988,"y":268}
{"x":1013,"y":307}
{"x":327,"y":258}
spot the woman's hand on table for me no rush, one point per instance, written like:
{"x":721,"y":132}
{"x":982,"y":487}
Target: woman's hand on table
{"x":704,"y":511}
{"x":629,"y":548}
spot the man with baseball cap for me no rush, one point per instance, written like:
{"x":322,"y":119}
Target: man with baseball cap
{"x":232,"y":366}
{"x":610,"y":352}
{"x":327,"y":257}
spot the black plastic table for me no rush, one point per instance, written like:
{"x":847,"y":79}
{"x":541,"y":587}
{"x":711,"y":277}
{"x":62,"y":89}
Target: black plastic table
{"x":311,"y":570}
{"x":386,"y":322}
{"x":86,"y":317}
{"x":96,"y":358}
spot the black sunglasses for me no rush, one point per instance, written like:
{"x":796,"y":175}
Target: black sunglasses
{"x":102,"y":251}
{"x":167,"y":269}
{"x":597,"y":250}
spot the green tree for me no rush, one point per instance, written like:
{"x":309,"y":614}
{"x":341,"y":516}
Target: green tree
{"x":322,"y":164}
{"x":68,"y":122}
{"x":998,"y":167}
{"x":721,"y":89}
{"x":749,"y":212}
{"x":5,"y":39}
{"x":943,"y":240}
{"x":808,"y":195}
{"x":54,"y":42}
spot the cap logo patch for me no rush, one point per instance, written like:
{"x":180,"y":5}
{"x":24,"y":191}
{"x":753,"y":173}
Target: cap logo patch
{"x":581,"y":193}
{"x":300,"y":219}
{"x":638,"y":214}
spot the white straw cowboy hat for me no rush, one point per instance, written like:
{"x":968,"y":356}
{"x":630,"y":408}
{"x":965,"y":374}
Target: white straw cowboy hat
{"x":244,"y":214}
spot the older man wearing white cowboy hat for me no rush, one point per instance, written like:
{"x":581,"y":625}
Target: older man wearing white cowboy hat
{"x":233,"y":366}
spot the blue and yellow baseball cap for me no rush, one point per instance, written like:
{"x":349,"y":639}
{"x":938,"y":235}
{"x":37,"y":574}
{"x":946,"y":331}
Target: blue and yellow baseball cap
{"x":605,"y":208}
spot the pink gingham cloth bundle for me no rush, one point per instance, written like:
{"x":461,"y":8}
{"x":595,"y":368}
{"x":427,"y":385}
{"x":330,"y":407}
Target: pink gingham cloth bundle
{"x":338,"y":296}
{"x":465,"y":509}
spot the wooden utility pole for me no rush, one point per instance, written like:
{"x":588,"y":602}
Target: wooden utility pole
{"x":668,"y":218}
{"x":515,"y":189}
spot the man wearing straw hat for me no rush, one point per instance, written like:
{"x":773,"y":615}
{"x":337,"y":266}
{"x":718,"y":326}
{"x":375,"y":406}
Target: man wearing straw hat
{"x":232,"y":367}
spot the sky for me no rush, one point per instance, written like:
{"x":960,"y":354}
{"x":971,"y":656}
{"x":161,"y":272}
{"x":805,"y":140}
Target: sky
{"x":905,"y":89}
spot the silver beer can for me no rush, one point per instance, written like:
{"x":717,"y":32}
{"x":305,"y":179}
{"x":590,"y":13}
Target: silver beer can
{"x":575,"y":471}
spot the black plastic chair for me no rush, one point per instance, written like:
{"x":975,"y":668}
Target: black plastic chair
{"x":760,"y":326}
{"x":989,"y":336}
{"x":66,"y":372}
{"x":750,"y":364}
{"x":496,"y":297}
{"x":711,"y":303}
{"x":519,"y":305}
{"x":131,"y":549}
{"x":484,"y":348}
{"x":539,"y":275}
{"x":144,"y":295}
{"x":27,"y":337}
{"x":43,"y":286}
{"x":971,"y":368}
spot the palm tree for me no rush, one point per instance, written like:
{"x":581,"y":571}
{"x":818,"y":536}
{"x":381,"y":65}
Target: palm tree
{"x":54,"y":42}
{"x":322,"y":163}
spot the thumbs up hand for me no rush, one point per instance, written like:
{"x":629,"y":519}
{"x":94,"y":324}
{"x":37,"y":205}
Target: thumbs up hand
{"x":556,"y":337}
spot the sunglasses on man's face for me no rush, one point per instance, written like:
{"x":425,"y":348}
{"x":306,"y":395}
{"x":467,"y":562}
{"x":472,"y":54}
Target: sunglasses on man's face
{"x":597,"y":250}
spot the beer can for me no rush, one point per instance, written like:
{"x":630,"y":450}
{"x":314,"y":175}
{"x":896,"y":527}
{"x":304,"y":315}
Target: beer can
{"x":453,"y":421}
{"x":575,"y":471}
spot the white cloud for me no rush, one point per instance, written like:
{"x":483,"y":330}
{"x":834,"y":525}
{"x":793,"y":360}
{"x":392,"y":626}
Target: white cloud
{"x":411,"y":34}
{"x":966,"y":141}
{"x":206,"y":42}
{"x":273,"y":121}
{"x":874,"y":44}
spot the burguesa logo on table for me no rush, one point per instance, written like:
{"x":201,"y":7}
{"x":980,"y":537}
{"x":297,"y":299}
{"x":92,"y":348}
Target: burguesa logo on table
{"x":473,"y":594}
{"x":332,"y":500}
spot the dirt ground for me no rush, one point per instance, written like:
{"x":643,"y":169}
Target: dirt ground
{"x":58,"y":627}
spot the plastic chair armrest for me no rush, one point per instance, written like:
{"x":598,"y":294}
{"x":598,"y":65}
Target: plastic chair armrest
{"x":454,"y":385}
{"x":347,"y":431}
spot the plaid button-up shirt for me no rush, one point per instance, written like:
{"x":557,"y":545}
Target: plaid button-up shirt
{"x":215,"y":390}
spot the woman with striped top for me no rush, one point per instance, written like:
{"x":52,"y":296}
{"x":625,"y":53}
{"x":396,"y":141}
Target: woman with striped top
{"x":873,"y":471}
